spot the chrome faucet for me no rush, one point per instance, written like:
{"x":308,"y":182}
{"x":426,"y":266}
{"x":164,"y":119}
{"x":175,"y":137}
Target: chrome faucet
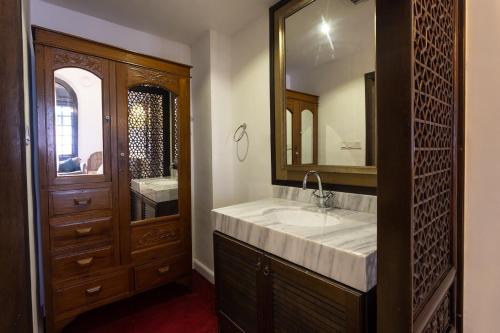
{"x":323,"y":198}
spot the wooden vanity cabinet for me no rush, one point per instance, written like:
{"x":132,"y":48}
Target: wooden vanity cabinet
{"x":92,"y":253}
{"x":258,"y":292}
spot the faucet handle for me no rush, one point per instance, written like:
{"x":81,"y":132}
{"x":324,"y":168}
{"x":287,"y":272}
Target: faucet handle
{"x":327,"y":195}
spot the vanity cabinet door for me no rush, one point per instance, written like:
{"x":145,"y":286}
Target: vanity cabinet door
{"x":301,"y":301}
{"x":238,"y":285}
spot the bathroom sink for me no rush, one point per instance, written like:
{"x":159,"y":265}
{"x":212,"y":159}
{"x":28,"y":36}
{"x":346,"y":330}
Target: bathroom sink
{"x":302,"y":217}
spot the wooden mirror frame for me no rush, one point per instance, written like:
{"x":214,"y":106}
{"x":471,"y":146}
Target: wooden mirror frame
{"x":357,"y":179}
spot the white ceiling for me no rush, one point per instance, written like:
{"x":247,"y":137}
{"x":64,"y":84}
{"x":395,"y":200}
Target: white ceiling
{"x":179,"y":20}
{"x":352,"y":30}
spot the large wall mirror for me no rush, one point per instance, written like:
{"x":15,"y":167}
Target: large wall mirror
{"x":323,"y":91}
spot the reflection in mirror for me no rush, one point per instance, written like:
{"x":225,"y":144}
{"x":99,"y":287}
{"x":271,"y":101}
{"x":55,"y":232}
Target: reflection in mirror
{"x":78,"y":122}
{"x":153,"y":152}
{"x":330,"y":48}
{"x":306,"y":134}
{"x":289,"y":147}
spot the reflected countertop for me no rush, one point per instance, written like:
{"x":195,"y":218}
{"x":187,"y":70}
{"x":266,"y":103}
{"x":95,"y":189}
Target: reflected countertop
{"x":337,"y":243}
{"x":157,"y":189}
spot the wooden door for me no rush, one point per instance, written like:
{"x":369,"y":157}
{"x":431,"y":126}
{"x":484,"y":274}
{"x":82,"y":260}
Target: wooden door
{"x":153,"y":145}
{"x":86,"y":81}
{"x":418,"y":88}
{"x":301,"y":301}
{"x":239,"y":285}
{"x":300,"y":106}
{"x":15,"y":289}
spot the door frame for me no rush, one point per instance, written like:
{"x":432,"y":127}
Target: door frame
{"x":15,"y":287}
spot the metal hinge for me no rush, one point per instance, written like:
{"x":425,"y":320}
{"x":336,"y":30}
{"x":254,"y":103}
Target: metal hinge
{"x":27,"y":138}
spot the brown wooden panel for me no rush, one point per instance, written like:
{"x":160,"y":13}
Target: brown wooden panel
{"x":76,"y":201}
{"x":77,"y":44}
{"x":418,"y":112}
{"x":155,"y":234}
{"x":236,"y":274}
{"x":325,"y":306}
{"x":83,"y":262}
{"x":161,"y":271}
{"x":80,"y":230}
{"x":15,"y":291}
{"x":59,"y":58}
{"x":87,"y":292}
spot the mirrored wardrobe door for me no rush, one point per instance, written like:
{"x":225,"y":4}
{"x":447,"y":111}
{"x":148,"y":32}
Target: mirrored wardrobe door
{"x":148,"y":105}
{"x":152,"y":153}
{"x":78,"y":118}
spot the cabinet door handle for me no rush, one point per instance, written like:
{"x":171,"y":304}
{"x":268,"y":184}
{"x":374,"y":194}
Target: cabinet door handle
{"x":93,"y":291}
{"x":266,"y":270}
{"x":84,"y":231}
{"x":82,"y":202}
{"x":85,"y":262}
{"x":163,"y":270}
{"x":258,"y":266}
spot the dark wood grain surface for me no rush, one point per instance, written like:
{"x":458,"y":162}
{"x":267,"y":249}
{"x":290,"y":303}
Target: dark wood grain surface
{"x":15,"y":299}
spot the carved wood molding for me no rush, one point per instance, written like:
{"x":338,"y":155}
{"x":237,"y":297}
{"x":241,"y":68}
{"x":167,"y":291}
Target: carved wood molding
{"x":156,"y":236}
{"x":64,"y":58}
{"x":138,"y":75}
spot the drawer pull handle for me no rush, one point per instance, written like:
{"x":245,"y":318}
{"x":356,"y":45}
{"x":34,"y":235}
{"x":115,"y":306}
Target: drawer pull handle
{"x":266,"y":270}
{"x":85,"y":262}
{"x":82,"y":202}
{"x":84,"y":231}
{"x":93,"y":291}
{"x":163,"y":270}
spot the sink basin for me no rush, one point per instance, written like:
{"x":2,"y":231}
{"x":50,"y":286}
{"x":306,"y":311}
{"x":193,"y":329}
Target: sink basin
{"x":302,"y":217}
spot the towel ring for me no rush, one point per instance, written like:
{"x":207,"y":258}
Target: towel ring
{"x":241,"y":130}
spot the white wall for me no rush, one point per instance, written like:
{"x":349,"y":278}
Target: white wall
{"x":230,"y":87}
{"x":482,"y":180}
{"x":202,"y":157}
{"x":74,"y":23}
{"x":212,"y":141}
{"x":251,"y":104}
{"x":340,"y":85}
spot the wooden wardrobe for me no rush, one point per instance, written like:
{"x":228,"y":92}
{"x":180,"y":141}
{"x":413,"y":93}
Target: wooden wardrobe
{"x":102,"y":157}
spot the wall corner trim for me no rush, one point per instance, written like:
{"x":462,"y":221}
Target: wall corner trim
{"x":206,"y":272}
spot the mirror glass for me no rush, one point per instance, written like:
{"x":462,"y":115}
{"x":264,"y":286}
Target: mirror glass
{"x":78,"y":122}
{"x":330,"y":84}
{"x":153,"y":152}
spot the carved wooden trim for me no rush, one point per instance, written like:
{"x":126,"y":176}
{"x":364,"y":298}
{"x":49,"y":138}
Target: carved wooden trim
{"x":139,"y":75}
{"x":64,"y":58}
{"x":149,"y":236}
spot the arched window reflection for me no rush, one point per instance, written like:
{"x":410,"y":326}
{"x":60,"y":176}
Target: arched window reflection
{"x":66,"y":116}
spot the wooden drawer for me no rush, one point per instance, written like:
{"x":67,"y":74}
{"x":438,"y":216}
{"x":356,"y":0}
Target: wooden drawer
{"x":156,"y":240}
{"x":80,"y":230}
{"x":68,"y":265}
{"x":76,"y":201}
{"x":91,"y":291}
{"x":161,"y":271}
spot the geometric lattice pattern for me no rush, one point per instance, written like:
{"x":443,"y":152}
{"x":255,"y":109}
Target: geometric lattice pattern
{"x":147,"y":136}
{"x":175,"y":129}
{"x":440,"y":321}
{"x":433,"y":123}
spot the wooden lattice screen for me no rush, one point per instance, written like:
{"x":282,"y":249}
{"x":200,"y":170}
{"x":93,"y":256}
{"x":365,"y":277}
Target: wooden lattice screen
{"x":417,"y":73}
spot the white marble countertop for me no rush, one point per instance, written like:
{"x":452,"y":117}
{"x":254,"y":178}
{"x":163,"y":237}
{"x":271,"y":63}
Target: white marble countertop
{"x":157,"y":189}
{"x":345,"y":251}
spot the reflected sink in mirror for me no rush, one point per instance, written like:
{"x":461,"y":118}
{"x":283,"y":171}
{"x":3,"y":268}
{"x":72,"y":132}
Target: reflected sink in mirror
{"x":301,"y":217}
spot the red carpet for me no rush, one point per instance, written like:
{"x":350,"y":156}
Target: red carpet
{"x":166,"y":309}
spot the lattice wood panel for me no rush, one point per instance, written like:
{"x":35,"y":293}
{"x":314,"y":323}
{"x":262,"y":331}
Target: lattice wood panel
{"x":433,"y":129}
{"x":149,"y":137}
